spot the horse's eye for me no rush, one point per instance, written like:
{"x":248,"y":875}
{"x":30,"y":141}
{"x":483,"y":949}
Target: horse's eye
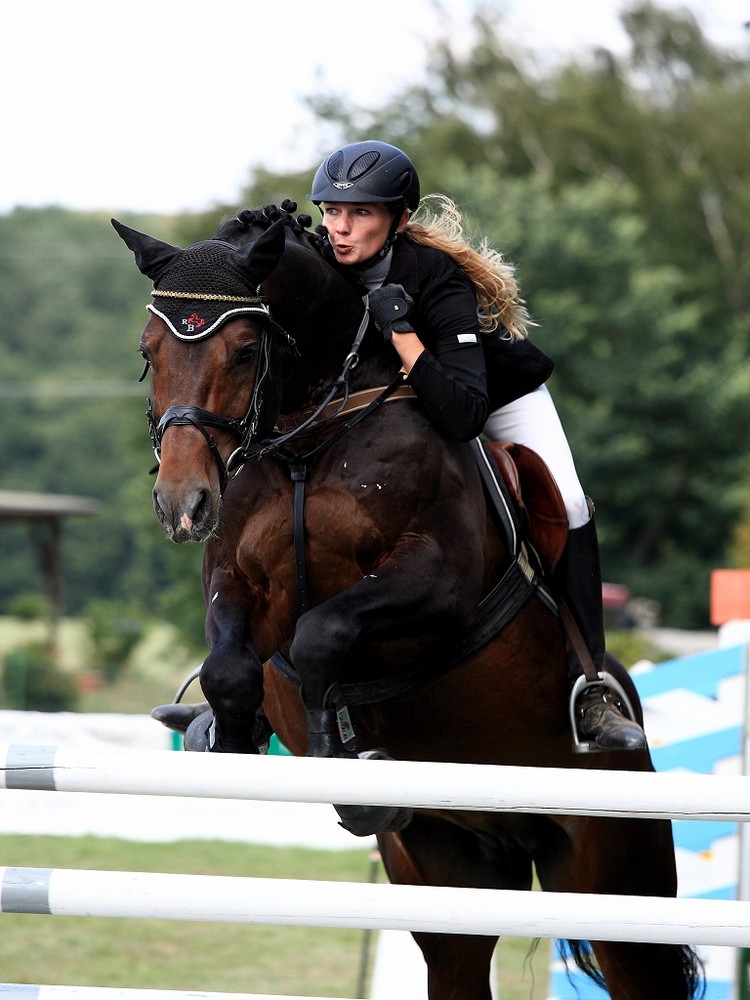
{"x":246,"y":355}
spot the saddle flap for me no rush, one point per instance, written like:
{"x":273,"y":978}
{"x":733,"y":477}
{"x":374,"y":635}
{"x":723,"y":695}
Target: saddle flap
{"x":535,"y":491}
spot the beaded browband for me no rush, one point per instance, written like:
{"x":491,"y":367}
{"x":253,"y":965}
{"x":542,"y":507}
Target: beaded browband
{"x":210,"y":297}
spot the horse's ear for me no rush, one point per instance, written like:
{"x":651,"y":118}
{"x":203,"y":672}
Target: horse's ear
{"x":151,"y":255}
{"x":260,"y":258}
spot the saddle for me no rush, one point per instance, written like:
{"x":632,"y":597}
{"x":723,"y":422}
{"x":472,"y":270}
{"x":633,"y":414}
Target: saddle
{"x":537,"y":499}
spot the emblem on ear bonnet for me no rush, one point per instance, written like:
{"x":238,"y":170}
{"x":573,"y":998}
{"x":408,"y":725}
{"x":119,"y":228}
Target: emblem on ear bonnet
{"x":199,"y":288}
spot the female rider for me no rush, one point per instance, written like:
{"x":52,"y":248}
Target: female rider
{"x":454,"y":316}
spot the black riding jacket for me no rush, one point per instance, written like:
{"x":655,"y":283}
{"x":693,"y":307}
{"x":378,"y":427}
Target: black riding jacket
{"x":463,"y":374}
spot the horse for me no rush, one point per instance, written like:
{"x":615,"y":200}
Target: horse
{"x":348,"y":548}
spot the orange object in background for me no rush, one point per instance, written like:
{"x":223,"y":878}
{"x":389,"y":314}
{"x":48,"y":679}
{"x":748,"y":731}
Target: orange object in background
{"x":730,"y":595}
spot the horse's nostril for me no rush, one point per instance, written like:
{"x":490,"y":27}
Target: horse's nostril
{"x":159,"y":510}
{"x":187,"y":513}
{"x":200,"y":504}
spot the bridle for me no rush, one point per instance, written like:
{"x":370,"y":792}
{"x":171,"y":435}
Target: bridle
{"x":244,"y":428}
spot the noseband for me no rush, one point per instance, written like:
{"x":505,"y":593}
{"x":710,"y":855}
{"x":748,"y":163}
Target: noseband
{"x":244,"y":428}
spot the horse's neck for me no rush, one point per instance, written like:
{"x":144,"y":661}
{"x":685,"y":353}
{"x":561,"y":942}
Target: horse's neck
{"x":313,"y":384}
{"x":323,"y":315}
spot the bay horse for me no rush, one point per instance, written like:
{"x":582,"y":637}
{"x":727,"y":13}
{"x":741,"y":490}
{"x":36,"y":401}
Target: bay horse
{"x":348,"y":546}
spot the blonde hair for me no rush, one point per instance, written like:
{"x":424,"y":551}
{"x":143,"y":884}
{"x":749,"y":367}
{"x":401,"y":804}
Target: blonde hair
{"x":437,"y":223}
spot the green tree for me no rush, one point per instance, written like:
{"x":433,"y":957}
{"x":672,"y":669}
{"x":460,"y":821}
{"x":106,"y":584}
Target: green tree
{"x":71,"y":406}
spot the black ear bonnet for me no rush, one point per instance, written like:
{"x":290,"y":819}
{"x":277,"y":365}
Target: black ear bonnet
{"x":201,"y":289}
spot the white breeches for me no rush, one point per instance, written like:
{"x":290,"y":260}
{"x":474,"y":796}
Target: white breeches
{"x":533,"y":421}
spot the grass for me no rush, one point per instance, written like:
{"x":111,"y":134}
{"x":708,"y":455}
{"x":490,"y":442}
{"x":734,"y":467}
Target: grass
{"x":153,"y":672}
{"x":160,"y":954}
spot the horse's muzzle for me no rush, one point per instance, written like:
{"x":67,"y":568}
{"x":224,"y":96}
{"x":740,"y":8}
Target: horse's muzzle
{"x":187,"y":517}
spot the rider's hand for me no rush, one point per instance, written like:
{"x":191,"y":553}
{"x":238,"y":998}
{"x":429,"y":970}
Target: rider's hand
{"x":389,"y":308}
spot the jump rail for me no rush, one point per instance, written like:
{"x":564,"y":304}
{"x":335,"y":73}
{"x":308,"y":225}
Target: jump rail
{"x":435,"y":909}
{"x":484,"y":787}
{"x":28,"y":992}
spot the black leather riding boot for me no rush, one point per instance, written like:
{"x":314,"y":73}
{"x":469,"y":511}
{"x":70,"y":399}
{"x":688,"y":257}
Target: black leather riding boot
{"x":597,"y":707}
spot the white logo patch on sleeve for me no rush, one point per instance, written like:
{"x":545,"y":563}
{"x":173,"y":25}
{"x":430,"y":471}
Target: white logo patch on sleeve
{"x":467,"y":338}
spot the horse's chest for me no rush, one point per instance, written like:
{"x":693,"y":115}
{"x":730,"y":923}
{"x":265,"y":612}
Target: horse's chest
{"x":341,"y":532}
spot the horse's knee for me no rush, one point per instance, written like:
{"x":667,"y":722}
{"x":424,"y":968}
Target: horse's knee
{"x":321,"y":651}
{"x":322,"y":639}
{"x":232,"y":679}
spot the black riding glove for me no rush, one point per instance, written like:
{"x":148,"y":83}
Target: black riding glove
{"x":389,"y":308}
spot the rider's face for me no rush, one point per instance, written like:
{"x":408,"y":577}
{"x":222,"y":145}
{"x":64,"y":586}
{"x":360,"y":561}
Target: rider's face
{"x":357,"y":230}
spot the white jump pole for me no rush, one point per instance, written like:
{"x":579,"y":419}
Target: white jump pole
{"x":440,"y":910}
{"x":485,"y":787}
{"x":20,"y":991}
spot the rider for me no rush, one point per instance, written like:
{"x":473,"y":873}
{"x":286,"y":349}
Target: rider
{"x":454,"y":316}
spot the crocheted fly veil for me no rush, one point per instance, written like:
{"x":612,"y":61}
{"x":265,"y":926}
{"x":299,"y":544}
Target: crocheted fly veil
{"x":201,"y":289}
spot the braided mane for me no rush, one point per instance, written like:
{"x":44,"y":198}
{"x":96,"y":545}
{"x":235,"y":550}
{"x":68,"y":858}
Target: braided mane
{"x":240,"y":227}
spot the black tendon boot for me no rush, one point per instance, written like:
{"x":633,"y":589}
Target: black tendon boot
{"x":601,"y":715}
{"x":196,"y":721}
{"x":330,"y":734}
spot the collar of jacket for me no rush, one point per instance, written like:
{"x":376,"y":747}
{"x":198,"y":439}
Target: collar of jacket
{"x":404,"y":266}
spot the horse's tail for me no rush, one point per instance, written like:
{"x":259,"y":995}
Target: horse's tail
{"x":583,"y":958}
{"x":693,"y":970}
{"x":683,"y":960}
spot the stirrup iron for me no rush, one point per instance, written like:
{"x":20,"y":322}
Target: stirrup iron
{"x":582,"y":682}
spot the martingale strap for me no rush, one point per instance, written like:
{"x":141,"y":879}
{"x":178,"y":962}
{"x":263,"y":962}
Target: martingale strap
{"x":298,"y":472}
{"x":362,"y":404}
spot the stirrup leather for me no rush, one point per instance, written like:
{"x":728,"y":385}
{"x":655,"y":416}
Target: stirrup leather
{"x":609,"y":681}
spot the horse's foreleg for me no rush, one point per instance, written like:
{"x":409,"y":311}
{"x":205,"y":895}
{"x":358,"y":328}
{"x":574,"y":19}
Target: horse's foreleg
{"x":232,"y":674}
{"x":411,"y":595}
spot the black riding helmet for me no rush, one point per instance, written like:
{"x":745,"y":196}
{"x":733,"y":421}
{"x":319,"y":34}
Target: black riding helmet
{"x":367,"y":171}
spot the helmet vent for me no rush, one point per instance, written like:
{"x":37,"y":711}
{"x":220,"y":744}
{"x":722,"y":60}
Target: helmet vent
{"x":362,"y":164}
{"x":403,"y":183}
{"x":335,"y":166}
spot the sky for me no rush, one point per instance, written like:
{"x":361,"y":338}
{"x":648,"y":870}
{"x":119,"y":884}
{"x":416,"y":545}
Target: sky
{"x":167,"y":105}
